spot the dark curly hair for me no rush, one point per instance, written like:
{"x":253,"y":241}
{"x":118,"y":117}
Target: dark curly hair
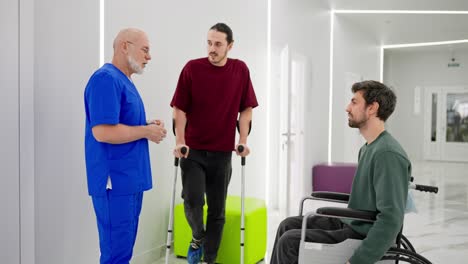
{"x":374,"y":91}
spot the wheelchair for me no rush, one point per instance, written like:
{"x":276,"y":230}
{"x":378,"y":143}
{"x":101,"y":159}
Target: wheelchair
{"x":402,"y":251}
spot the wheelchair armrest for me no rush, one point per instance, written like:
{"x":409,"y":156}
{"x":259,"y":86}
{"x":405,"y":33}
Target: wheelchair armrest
{"x":339,"y":212}
{"x":339,"y":197}
{"x":333,"y":197}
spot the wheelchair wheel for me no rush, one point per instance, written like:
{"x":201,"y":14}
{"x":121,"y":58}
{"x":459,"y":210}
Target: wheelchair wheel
{"x":404,"y":256}
{"x":406,"y":244}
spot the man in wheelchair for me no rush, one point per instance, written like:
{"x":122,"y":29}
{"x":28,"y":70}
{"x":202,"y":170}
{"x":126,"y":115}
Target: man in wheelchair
{"x":380,"y":185}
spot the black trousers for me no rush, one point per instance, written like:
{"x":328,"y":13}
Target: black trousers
{"x":206,"y":172}
{"x":319,"y":229}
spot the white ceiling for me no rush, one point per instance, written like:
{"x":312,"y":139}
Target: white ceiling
{"x":391,"y":29}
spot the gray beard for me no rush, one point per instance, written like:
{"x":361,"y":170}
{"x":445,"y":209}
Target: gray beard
{"x":134,"y":65}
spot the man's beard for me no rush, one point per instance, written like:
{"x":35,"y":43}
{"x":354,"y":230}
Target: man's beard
{"x":356,"y":124}
{"x":136,"y":68}
{"x":217,"y":58}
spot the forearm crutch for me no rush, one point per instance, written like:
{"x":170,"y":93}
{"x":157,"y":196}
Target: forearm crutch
{"x":240,"y":149}
{"x":242,"y":228}
{"x":183,"y":150}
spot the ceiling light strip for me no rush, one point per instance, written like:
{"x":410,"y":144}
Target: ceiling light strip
{"x":432,"y":12}
{"x":330,"y":98}
{"x":422,"y":44}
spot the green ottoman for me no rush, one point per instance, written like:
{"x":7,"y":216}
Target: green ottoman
{"x":255,"y":235}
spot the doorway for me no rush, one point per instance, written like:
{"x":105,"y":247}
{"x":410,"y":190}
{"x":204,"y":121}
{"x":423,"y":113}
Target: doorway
{"x":446,"y":124}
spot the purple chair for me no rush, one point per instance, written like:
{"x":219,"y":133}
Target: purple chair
{"x":333,"y":177}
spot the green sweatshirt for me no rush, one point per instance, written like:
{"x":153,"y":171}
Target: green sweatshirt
{"x":380,"y":185}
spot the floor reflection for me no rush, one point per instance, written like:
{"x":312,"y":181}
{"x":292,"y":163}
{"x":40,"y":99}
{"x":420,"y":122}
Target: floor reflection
{"x":438,"y":231}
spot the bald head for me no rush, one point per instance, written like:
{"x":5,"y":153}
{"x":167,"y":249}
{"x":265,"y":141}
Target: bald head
{"x":131,"y":51}
{"x":128,"y":34}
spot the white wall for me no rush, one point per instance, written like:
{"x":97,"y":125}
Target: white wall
{"x":404,"y":70}
{"x":26,"y":131}
{"x":66,"y":53}
{"x":356,"y":58}
{"x":9,"y":133}
{"x":17,"y":157}
{"x":177,"y":35}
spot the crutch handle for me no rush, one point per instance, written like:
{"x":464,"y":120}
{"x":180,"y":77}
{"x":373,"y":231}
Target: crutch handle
{"x":183,"y":150}
{"x":240,"y":148}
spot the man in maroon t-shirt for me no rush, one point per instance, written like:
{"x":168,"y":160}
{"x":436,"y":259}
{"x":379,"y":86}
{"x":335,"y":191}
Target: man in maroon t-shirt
{"x":210,"y":94}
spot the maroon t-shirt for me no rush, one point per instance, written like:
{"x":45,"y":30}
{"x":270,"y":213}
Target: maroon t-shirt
{"x":212,"y":97}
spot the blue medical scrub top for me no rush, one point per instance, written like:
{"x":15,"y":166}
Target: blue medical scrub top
{"x":111,"y":98}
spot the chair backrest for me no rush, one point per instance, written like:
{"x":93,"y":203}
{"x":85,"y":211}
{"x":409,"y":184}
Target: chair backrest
{"x":333,"y":177}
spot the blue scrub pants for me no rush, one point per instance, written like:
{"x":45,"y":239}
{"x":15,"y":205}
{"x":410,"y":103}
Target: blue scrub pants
{"x":117,"y":221}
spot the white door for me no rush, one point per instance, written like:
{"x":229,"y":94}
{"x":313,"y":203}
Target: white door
{"x":291,"y":119}
{"x":296,"y":128}
{"x":285,"y":133}
{"x":446,"y":124}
